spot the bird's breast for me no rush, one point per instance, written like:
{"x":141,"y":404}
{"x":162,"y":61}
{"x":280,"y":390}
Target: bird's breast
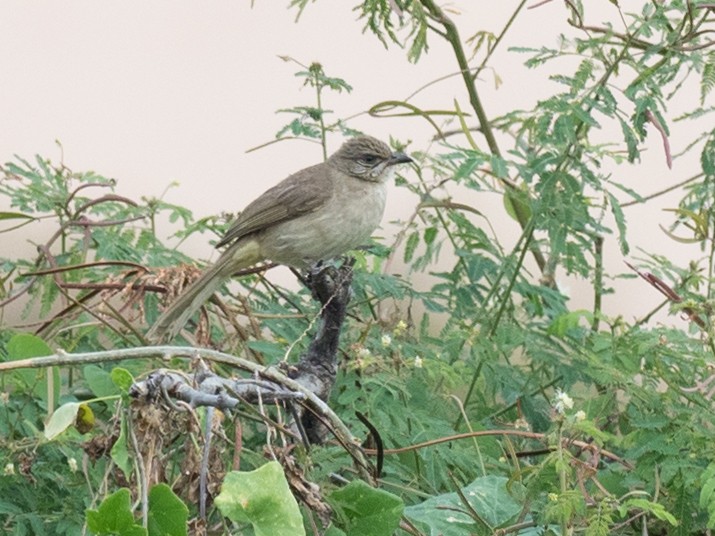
{"x":344,"y":222}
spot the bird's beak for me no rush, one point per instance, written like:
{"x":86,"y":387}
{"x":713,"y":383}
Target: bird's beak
{"x":399,"y":158}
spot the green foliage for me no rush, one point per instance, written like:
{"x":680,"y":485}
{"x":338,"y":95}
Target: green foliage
{"x":120,"y":451}
{"x":101,"y":382}
{"x":24,"y":346}
{"x":385,"y":22}
{"x":708,"y":79}
{"x":362,"y":510}
{"x":563,"y":419}
{"x":489,"y":505}
{"x":114,"y":517}
{"x":55,"y":504}
{"x":167,"y":514}
{"x":263,"y":499}
{"x":707,"y":493}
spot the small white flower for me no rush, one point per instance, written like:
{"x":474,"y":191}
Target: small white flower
{"x":386,"y":340}
{"x":418,"y":362}
{"x":364,"y":353}
{"x":562,"y":402}
{"x":9,"y":469}
{"x":72,"y":462}
{"x":580,"y":415}
{"x":553,"y":497}
{"x":400,"y":328}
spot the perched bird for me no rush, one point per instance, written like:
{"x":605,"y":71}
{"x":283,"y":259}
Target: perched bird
{"x":316,"y":214}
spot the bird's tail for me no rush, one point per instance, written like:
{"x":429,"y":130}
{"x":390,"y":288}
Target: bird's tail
{"x":170,"y":322}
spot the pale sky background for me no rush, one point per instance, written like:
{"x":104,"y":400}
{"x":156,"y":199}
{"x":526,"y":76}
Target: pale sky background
{"x":154,"y":92}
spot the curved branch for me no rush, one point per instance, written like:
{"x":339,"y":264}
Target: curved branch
{"x":514,"y":433}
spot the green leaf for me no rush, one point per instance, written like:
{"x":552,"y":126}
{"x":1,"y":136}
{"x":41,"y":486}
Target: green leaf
{"x":498,"y":166}
{"x":114,"y":517}
{"x":568,"y":321}
{"x":122,"y":378}
{"x":657,"y":509}
{"x":429,"y":235}
{"x":631,"y":140}
{"x":167,"y":513}
{"x":465,"y":128}
{"x":262,"y":498}
{"x":120,"y":451}
{"x":61,"y":419}
{"x":412,"y":240}
{"x":100,"y":381}
{"x":620,"y":223}
{"x":697,"y":221}
{"x":515,"y":203}
{"x":707,"y":82}
{"x":27,"y":346}
{"x":707,"y":157}
{"x":367,"y":511}
{"x":443,"y":515}
{"x":15,"y":216}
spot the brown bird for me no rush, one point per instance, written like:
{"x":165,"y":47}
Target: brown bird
{"x":316,"y":214}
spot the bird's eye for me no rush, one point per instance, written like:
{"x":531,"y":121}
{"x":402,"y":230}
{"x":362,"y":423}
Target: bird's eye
{"x":368,"y":159}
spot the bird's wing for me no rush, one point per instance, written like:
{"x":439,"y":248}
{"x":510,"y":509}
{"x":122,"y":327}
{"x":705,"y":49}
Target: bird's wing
{"x":301,"y":193}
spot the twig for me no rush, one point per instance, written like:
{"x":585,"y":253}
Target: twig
{"x":70,"y":267}
{"x":664,"y":191}
{"x":518,"y":433}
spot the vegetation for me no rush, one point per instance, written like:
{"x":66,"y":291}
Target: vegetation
{"x":501,"y":408}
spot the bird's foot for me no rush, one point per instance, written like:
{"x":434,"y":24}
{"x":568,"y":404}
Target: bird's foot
{"x":326,"y":279}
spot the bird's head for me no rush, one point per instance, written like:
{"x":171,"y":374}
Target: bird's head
{"x":366,"y":158}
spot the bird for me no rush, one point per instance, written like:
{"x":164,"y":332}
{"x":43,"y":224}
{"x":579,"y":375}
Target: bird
{"x":316,"y":214}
